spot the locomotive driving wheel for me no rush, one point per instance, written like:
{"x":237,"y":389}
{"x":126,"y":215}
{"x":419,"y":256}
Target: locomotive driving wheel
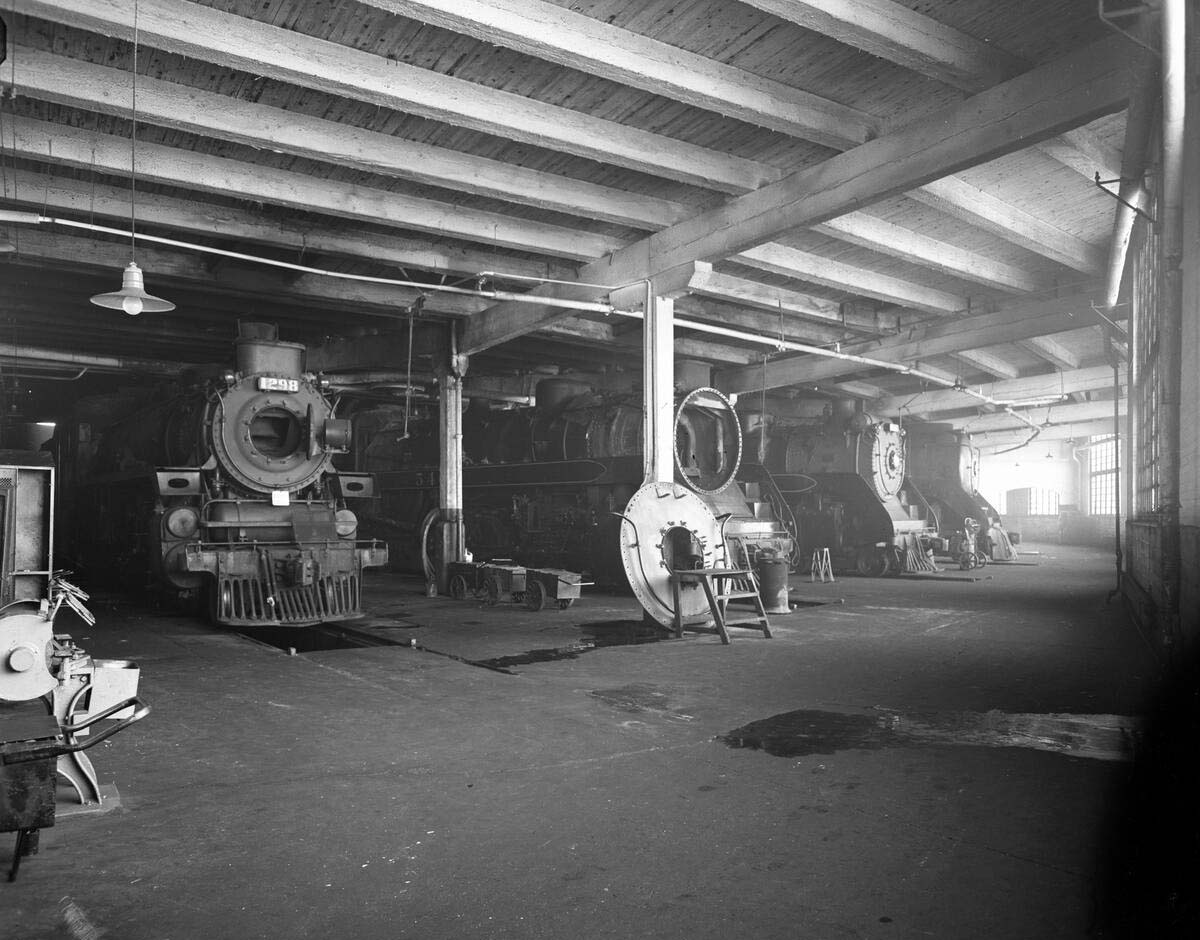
{"x":871,"y":562}
{"x":535,"y":595}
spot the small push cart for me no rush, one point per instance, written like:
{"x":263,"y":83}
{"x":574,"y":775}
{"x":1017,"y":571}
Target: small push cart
{"x":466,"y":579}
{"x":501,"y":581}
{"x":544,"y":586}
{"x":487,"y":580}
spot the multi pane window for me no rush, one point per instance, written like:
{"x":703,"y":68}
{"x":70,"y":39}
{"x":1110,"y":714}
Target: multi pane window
{"x":1102,"y":467}
{"x":1146,"y":384}
{"x":1032,"y":501}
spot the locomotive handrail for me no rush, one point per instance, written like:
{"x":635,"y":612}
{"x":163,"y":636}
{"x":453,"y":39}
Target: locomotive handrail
{"x":779,"y":504}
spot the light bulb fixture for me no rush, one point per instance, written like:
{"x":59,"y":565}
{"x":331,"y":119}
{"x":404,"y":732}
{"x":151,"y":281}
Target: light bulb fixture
{"x":132,"y":297}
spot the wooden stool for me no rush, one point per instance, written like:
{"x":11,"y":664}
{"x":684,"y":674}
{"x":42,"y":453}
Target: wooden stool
{"x":821,"y":565}
{"x":721,"y":585}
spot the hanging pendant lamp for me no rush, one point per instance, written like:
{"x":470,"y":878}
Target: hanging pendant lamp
{"x":132,"y":297}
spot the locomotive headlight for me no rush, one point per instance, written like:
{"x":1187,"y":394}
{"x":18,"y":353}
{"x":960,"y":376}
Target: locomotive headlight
{"x":347,"y":523}
{"x":183,"y":522}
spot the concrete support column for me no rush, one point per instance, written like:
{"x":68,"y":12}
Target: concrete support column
{"x":658,"y":374}
{"x":450,"y":490}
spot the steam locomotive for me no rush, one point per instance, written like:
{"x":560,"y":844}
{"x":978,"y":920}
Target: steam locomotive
{"x":883,"y":497}
{"x":223,"y":490}
{"x":946,"y":468}
{"x":544,"y":484}
{"x":858,"y":500}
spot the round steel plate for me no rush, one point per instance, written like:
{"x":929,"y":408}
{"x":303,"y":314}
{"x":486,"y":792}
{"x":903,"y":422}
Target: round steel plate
{"x":657,"y":516}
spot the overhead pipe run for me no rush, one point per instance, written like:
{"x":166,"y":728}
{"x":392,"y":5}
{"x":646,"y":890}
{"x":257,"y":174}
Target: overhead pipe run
{"x":33,"y":218}
{"x":9,"y":215}
{"x":781,"y":344}
{"x":32,"y":356}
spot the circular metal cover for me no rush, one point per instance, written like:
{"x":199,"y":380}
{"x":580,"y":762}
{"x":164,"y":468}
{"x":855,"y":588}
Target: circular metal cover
{"x":657,"y":516}
{"x":887,"y":458}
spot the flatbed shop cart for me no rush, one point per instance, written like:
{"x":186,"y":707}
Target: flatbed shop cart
{"x":501,"y":579}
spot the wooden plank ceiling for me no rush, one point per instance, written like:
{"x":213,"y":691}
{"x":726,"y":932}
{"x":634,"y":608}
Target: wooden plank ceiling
{"x":912,"y":181}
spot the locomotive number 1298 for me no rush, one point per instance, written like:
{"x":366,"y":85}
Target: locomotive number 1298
{"x":271,"y":383}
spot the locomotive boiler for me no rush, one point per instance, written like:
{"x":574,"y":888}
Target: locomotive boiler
{"x":856,"y":498}
{"x":946,"y":467}
{"x":224,"y":489}
{"x":544,"y":484}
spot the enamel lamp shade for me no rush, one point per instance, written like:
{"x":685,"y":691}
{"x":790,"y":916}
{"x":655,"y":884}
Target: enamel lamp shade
{"x":132,"y":297}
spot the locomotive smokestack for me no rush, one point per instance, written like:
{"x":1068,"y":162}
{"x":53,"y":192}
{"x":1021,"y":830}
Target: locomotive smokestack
{"x":259,"y":351}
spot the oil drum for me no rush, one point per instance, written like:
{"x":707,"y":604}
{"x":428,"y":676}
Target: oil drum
{"x":773,"y":584}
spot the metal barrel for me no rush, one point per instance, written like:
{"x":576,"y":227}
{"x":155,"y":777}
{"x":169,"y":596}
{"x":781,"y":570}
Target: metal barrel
{"x":773,"y":585}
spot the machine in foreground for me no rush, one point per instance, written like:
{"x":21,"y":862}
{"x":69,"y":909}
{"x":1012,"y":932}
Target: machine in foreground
{"x":53,"y":695}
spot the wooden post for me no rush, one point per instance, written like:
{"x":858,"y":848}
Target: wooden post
{"x":658,"y":373}
{"x":450,"y":491}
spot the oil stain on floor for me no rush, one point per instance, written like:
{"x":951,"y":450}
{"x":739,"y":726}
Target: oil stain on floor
{"x":810,"y":731}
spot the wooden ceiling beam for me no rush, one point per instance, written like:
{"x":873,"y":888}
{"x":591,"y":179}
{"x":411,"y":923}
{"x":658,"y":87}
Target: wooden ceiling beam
{"x":696,"y":307}
{"x":1050,"y":349}
{"x":95,"y":198}
{"x":79,"y":84}
{"x":972,"y":205}
{"x":259,"y":48}
{"x":937,"y":372}
{"x":1083,"y":85}
{"x":1078,"y":430}
{"x":828,"y":272}
{"x":853,"y":389}
{"x":988,"y":362}
{"x":1056,"y":414}
{"x":60,"y":144}
{"x":794,"y":304}
{"x":868,"y":231}
{"x":936,"y":338}
{"x":211,"y":35}
{"x":918,"y":42}
{"x":1026,"y":388}
{"x":260,"y":126}
{"x":364,"y":299}
{"x":557,"y":34}
{"x":901,"y":35}
{"x":1084,"y":153}
{"x":159,"y":265}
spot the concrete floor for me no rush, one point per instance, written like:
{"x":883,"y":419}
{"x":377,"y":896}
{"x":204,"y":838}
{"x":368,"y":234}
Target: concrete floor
{"x":395,"y":792}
